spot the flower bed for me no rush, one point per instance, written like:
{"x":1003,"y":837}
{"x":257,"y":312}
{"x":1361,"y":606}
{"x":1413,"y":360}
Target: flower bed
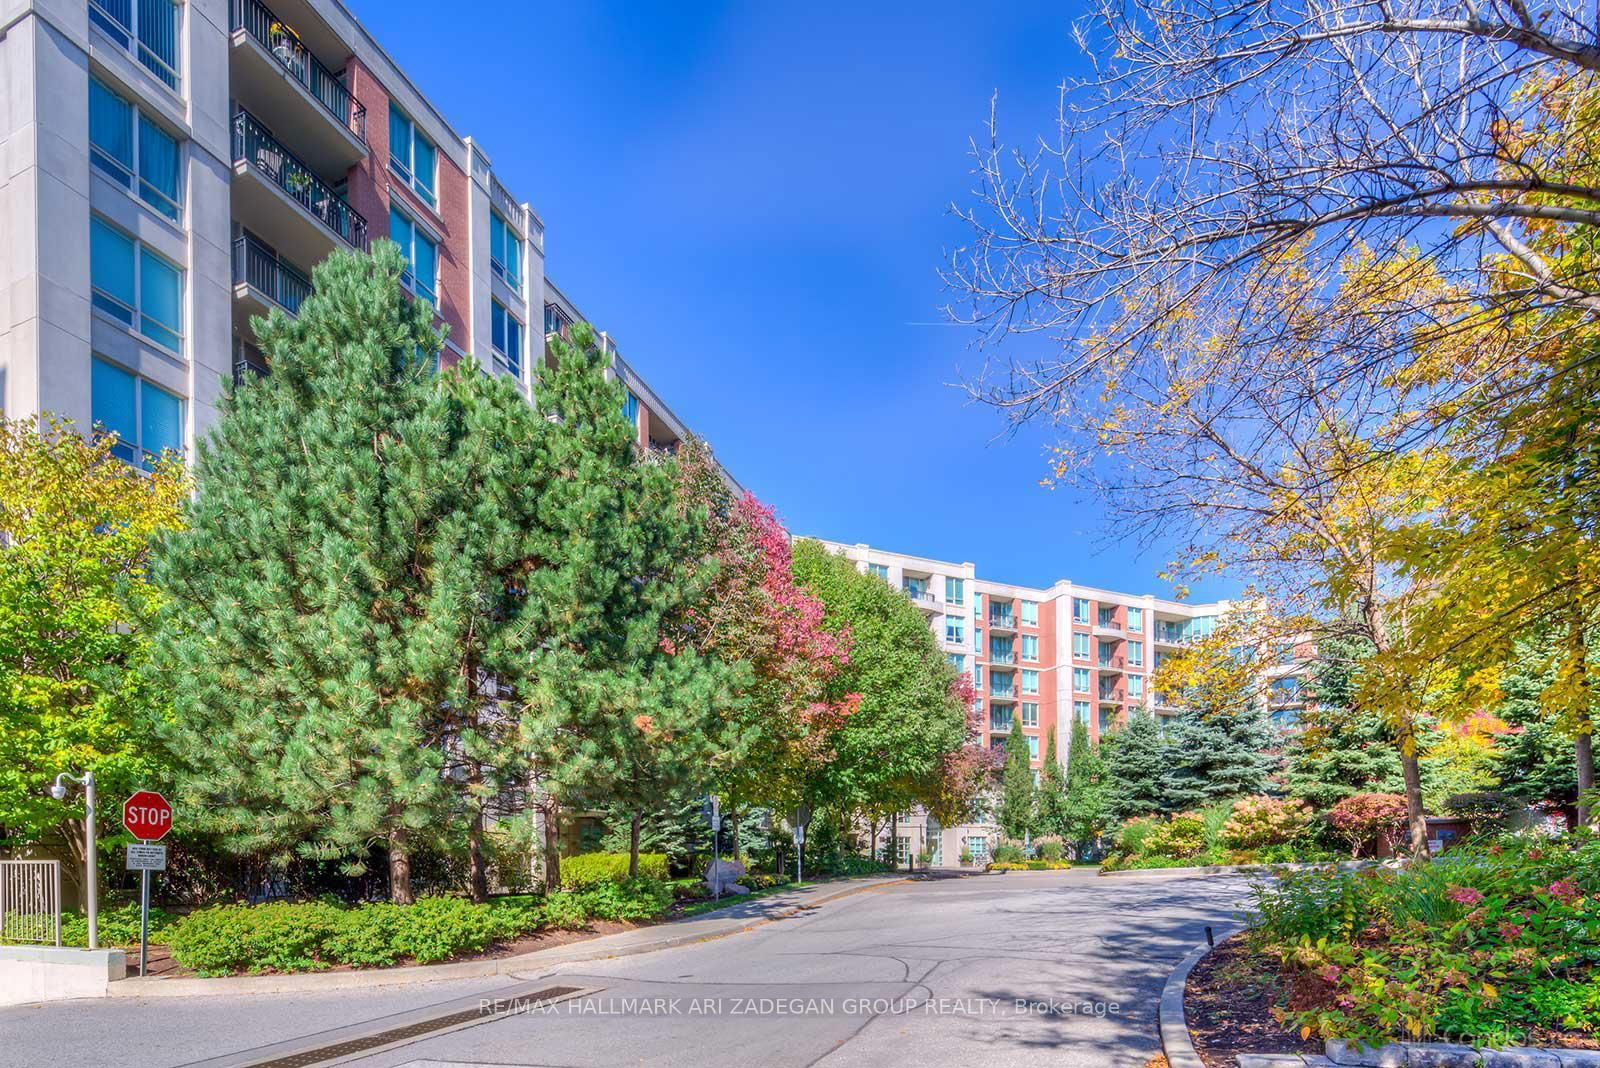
{"x":1251,"y":830}
{"x":1029,"y":865}
{"x":1489,"y":945}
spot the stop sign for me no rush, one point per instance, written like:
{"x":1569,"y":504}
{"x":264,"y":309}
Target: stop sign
{"x":147,"y":815}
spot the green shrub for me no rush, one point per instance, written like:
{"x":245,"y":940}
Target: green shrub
{"x":118,"y":926}
{"x":1133,"y":834}
{"x":368,"y":936}
{"x":588,"y":869}
{"x":1180,"y":837}
{"x":635,"y":899}
{"x":1258,"y":822}
{"x":1050,"y":850}
{"x":565,"y":911}
{"x":437,"y":928}
{"x":1007,"y":854}
{"x":235,"y":938}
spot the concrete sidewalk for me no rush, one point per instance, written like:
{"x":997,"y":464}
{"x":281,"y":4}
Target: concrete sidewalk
{"x":739,"y":916}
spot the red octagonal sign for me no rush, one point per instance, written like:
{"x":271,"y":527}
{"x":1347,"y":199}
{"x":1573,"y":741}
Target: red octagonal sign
{"x":147,"y":815}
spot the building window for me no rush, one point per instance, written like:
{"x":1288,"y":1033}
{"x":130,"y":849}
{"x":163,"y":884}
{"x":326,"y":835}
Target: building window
{"x":1136,"y":654}
{"x":953,"y":591}
{"x":1030,"y":681}
{"x":1080,"y":610}
{"x":506,"y":336}
{"x":902,"y":848}
{"x":630,"y":408}
{"x":135,"y":152}
{"x":954,"y":631}
{"x":147,"y":28}
{"x":1136,"y":620}
{"x":1080,"y":680}
{"x":1033,"y":748}
{"x":147,"y":420}
{"x":505,"y":251}
{"x":978,"y":848}
{"x":1030,"y":613}
{"x":1106,"y":715}
{"x":999,"y":718}
{"x":1080,"y":646}
{"x":1030,"y":713}
{"x":977,"y":606}
{"x":1081,"y":710}
{"x":1108,"y":615}
{"x":135,"y":286}
{"x":977,"y":677}
{"x":1030,"y":647}
{"x":880,"y":570}
{"x":1135,"y":687}
{"x":422,"y":257}
{"x":958,"y":662}
{"x":412,"y":157}
{"x":1000,"y":650}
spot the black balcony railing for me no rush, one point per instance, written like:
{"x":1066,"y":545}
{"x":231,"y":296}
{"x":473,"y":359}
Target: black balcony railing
{"x":248,"y":362}
{"x":255,"y":266}
{"x":285,"y":45}
{"x":252,"y":144}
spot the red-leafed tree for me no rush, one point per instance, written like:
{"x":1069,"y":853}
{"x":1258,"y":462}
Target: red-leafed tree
{"x":965,"y":773}
{"x":756,"y":613}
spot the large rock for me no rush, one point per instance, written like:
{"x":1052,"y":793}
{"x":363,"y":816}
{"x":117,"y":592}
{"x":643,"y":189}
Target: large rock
{"x":723,"y":876}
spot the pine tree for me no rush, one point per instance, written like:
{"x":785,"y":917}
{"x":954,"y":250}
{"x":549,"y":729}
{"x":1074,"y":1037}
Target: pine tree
{"x":1085,"y":812}
{"x":336,"y":608}
{"x":1534,"y":761}
{"x":1217,"y":754}
{"x":1052,"y":792}
{"x":1136,"y":759}
{"x":1019,"y":798}
{"x":611,"y":706}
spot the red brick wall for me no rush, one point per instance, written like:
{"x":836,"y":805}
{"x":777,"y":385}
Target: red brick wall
{"x":372,"y":187}
{"x":1049,"y":714}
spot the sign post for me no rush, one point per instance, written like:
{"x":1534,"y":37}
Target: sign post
{"x":148,"y":817}
{"x":802,"y":816}
{"x":714,"y":812}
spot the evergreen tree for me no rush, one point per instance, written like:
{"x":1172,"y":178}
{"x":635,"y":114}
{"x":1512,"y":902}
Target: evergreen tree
{"x":1534,"y":761}
{"x":1216,"y":754}
{"x":1340,"y":751}
{"x":1136,"y":759}
{"x":1052,"y":792}
{"x":611,"y":705}
{"x":336,"y":610}
{"x":1019,"y":798}
{"x":1085,"y":812}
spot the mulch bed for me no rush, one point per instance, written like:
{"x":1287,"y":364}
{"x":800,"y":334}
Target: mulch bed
{"x":1228,"y":1002}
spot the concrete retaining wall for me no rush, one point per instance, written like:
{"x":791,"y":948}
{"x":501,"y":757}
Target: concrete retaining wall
{"x":45,"y":973}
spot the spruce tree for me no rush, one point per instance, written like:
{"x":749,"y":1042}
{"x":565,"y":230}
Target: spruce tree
{"x":336,"y":606}
{"x":1534,"y":762}
{"x":1052,"y":792}
{"x":610,"y":705}
{"x":1085,"y":811}
{"x":1019,"y":798}
{"x":1340,"y":751}
{"x":1136,"y":759}
{"x":1217,"y":754}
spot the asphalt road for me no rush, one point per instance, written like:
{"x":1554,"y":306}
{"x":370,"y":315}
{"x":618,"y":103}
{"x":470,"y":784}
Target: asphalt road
{"x":1020,"y":969}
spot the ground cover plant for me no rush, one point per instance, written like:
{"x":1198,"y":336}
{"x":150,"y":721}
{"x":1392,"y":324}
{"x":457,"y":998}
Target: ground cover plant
{"x":1493,"y":943}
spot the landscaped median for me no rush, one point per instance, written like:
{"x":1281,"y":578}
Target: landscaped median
{"x":1490,"y":947}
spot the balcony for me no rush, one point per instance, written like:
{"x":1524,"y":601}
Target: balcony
{"x":1110,"y":664}
{"x":278,"y":78}
{"x":923,"y":598}
{"x":248,"y":362}
{"x":1162,"y":636}
{"x":1002,"y":621}
{"x":261,"y":281}
{"x":275,"y":193}
{"x":1108,"y":629}
{"x":1002,"y":658}
{"x":1110,"y":695}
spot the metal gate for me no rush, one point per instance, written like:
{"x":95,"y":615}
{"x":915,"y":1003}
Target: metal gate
{"x":30,"y":901}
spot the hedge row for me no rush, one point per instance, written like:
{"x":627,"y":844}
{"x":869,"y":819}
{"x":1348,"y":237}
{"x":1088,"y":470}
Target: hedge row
{"x":590,"y":869}
{"x":312,"y":936}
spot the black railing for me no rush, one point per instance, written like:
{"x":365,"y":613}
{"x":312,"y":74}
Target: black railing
{"x":252,"y":144}
{"x":248,"y":363}
{"x":256,"y":266}
{"x":285,"y":45}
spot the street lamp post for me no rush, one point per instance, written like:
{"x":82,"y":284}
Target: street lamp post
{"x":92,"y":869}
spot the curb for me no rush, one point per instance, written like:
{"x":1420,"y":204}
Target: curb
{"x":585,"y":950}
{"x":1170,"y":1019}
{"x":1234,"y":869}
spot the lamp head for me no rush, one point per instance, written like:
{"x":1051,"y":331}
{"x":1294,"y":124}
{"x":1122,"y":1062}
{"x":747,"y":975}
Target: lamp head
{"x":58,"y":791}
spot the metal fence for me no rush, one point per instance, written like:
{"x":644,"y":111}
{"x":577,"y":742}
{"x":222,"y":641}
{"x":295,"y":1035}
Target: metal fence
{"x":30,"y":901}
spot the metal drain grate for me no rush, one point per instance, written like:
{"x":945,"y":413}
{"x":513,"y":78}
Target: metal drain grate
{"x":335,"y":1050}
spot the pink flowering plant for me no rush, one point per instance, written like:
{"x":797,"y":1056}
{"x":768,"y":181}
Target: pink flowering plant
{"x":1492,"y":944}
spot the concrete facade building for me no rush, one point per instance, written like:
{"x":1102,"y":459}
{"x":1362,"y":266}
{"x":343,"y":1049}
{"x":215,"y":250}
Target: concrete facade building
{"x":1039,"y":659}
{"x":174,"y":168}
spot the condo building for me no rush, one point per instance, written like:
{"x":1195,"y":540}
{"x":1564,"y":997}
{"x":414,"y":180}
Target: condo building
{"x":1039,"y":659}
{"x":175,"y":168}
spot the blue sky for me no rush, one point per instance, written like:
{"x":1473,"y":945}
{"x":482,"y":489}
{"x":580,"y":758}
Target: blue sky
{"x":753,"y":200}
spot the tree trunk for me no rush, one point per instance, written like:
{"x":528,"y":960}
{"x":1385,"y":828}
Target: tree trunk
{"x":894,"y":842}
{"x":633,"y":844}
{"x":399,"y":868}
{"x":733,"y":829}
{"x":1416,"y":820}
{"x":552,"y":842}
{"x":477,"y":870}
{"x":1583,"y":748}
